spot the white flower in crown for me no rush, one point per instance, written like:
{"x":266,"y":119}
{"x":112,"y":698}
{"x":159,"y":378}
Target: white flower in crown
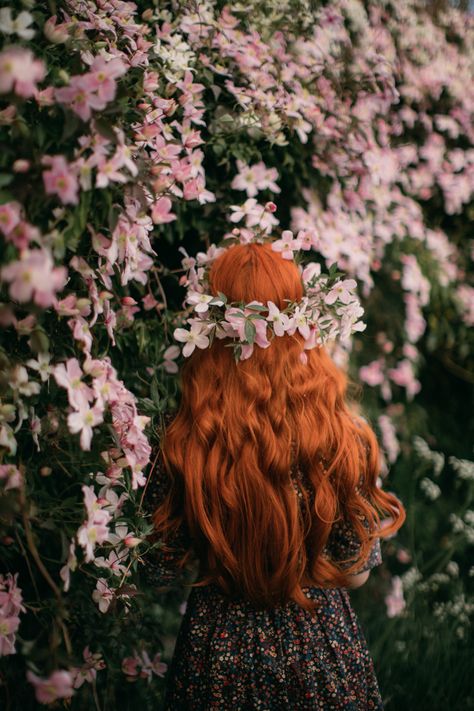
{"x":195,"y":337}
{"x":328,"y":310}
{"x":201,"y":301}
{"x":278,"y":318}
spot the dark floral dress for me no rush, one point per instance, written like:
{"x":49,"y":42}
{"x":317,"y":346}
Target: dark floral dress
{"x":230,"y":655}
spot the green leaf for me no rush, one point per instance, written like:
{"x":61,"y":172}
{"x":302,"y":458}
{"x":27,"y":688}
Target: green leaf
{"x":250,"y":331}
{"x":257,"y":307}
{"x":5,"y":179}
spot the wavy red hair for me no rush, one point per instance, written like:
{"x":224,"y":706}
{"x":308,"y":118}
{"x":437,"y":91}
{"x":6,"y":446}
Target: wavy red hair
{"x":229,"y":450}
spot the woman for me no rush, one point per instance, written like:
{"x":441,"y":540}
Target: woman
{"x":267,"y":477}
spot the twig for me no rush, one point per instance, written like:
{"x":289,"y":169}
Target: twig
{"x":43,"y":570}
{"x":456,"y":369}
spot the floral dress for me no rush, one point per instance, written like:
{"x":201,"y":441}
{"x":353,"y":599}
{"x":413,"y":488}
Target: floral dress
{"x":230,"y":655}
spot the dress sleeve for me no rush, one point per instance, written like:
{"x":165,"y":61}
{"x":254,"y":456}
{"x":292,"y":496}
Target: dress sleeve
{"x":162,"y":567}
{"x":343,"y":543}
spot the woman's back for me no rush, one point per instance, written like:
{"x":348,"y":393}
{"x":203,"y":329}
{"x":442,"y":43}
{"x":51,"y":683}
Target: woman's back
{"x":268,"y":477}
{"x":231,"y":654}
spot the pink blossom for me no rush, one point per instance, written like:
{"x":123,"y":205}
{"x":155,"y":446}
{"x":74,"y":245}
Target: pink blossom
{"x":342,"y":291}
{"x":280,"y":320}
{"x":70,"y":376}
{"x":81,"y":96}
{"x":56,"y":33}
{"x":95,"y":529}
{"x":9,"y":216}
{"x":103,"y":595}
{"x":115,"y":562}
{"x":404,"y":376}
{"x":11,"y":475}
{"x":286,"y":245}
{"x":83,"y":421}
{"x":169,"y":356}
{"x":34,"y":277}
{"x":88,"y":671}
{"x":372,"y":374}
{"x":140,"y":665}
{"x":194,"y":337}
{"x":102,"y":77}
{"x":389,"y":438}
{"x":299,"y":322}
{"x":20,"y":71}
{"x":23,"y":234}
{"x":57,"y":686}
{"x":394,"y":600}
{"x":161,"y":211}
{"x":81,"y":332}
{"x":254,"y":178}
{"x":11,"y":604}
{"x":465,"y":296}
{"x":70,"y":566}
{"x":60,"y":179}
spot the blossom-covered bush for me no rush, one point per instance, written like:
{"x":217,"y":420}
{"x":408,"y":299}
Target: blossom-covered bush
{"x":134,"y":136}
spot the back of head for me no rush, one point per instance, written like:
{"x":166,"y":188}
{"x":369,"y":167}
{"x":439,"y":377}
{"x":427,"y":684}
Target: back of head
{"x":240,"y":426}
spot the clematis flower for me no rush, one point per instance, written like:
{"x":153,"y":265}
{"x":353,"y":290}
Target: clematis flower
{"x":161,"y":211}
{"x":201,"y":302}
{"x":299,"y":322}
{"x":103,"y":595}
{"x":56,"y":33}
{"x":20,"y":384}
{"x":102,"y":76}
{"x":286,"y":245}
{"x":60,"y":179}
{"x":83,"y":421}
{"x":70,"y":376}
{"x":19,"y":26}
{"x":20,"y":71}
{"x":372,"y":374}
{"x":169,"y":356}
{"x":41,"y":365}
{"x":395,"y":601}
{"x":34,"y":277}
{"x":80,"y":96}
{"x":57,"y":686}
{"x":342,"y":291}
{"x":9,"y":216}
{"x":280,"y":320}
{"x":11,"y":475}
{"x":114,"y":562}
{"x":91,"y":532}
{"x":70,"y":566}
{"x":192,"y":338}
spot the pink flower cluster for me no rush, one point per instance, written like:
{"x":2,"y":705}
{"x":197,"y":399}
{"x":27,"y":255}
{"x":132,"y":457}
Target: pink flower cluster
{"x":93,"y":662}
{"x":141,"y":666}
{"x":10,"y":607}
{"x":93,"y":90}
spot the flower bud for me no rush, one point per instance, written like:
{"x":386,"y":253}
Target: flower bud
{"x":21,"y":165}
{"x":57,"y":34}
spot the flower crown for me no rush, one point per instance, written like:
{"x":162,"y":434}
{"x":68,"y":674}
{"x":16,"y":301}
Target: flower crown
{"x":328,"y":310}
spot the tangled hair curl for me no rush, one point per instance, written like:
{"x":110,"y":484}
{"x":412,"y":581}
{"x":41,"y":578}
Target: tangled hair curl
{"x":229,"y":452}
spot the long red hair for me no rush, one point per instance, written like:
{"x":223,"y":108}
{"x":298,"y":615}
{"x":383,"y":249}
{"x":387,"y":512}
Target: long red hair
{"x":228,"y":453}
